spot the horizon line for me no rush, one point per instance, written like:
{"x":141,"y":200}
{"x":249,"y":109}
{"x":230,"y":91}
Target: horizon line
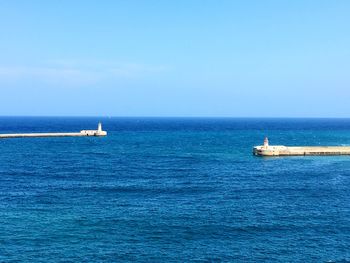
{"x":169,"y":117}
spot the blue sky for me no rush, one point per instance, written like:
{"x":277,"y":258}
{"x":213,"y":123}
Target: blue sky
{"x":175,"y":58}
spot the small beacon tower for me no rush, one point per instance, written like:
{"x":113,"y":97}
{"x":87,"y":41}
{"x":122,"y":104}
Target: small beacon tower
{"x":266,"y":143}
{"x":100,"y":132}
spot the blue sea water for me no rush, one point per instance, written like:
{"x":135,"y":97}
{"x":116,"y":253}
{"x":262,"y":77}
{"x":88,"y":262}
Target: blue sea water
{"x":173,"y":190}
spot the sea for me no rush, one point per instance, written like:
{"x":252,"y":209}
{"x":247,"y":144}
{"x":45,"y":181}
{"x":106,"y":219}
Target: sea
{"x":173,"y":190}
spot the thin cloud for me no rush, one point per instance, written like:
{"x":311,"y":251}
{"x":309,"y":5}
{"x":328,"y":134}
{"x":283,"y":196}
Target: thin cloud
{"x":48,"y":75}
{"x":77,"y":72}
{"x":136,"y":70}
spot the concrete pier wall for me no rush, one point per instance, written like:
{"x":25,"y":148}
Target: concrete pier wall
{"x":98,"y":132}
{"x":63,"y":134}
{"x":281,"y":150}
{"x":22,"y":135}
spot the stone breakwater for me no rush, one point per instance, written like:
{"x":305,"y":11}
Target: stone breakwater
{"x":98,"y":132}
{"x":281,"y":150}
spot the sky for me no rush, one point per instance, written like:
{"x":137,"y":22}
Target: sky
{"x":182,"y":58}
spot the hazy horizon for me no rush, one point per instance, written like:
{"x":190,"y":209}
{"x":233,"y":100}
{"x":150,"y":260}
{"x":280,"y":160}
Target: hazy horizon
{"x":166,"y":117}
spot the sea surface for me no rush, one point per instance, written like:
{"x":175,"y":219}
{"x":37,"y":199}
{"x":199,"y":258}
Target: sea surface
{"x":173,"y":190}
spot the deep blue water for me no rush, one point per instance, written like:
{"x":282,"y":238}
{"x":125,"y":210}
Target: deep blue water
{"x":173,"y":190}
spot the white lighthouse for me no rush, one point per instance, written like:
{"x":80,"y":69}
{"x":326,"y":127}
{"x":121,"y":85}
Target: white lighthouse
{"x":266,"y":142}
{"x":98,"y":132}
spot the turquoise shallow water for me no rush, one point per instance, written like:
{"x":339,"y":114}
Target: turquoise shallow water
{"x":173,"y":190}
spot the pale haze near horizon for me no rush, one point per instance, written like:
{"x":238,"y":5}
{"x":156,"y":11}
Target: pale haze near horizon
{"x":175,"y":58}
